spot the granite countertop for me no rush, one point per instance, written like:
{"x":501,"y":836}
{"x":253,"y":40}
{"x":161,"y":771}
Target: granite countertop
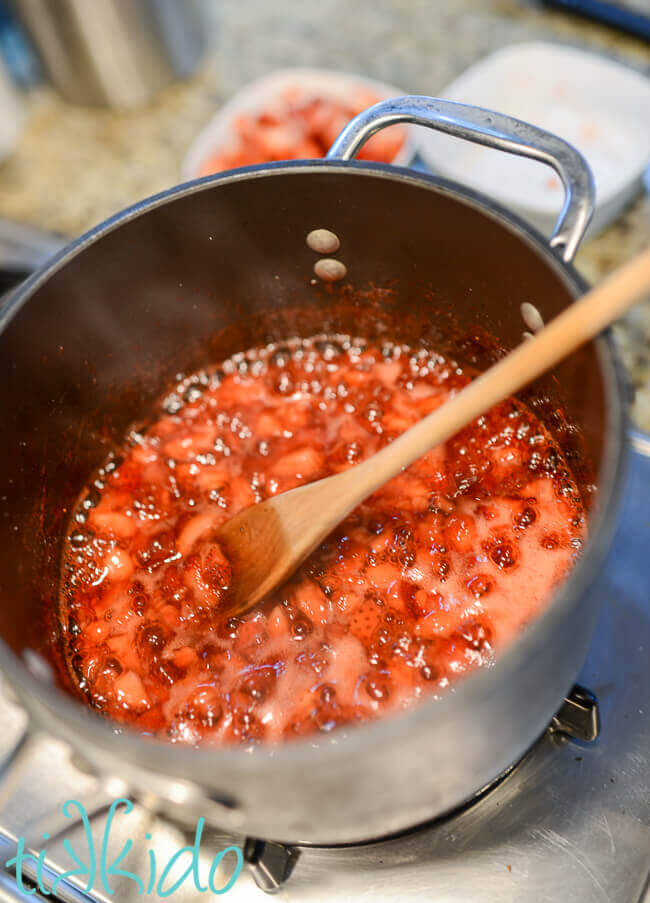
{"x":75,"y":166}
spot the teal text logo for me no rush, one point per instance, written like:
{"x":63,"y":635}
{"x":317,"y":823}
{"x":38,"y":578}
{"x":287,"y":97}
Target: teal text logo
{"x":94,"y":868}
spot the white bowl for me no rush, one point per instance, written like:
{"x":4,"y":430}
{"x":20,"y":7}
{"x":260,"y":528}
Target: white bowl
{"x":258,"y":95}
{"x":599,"y":106}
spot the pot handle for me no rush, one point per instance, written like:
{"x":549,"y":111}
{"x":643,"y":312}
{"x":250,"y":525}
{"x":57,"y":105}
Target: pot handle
{"x":493,"y":130}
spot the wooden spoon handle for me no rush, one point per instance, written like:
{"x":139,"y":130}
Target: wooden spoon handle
{"x":580,"y":322}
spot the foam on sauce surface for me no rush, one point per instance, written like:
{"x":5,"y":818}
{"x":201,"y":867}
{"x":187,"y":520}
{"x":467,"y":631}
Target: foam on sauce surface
{"x":428,"y":579}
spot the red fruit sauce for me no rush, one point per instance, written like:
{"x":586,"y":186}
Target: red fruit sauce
{"x":427,"y":580}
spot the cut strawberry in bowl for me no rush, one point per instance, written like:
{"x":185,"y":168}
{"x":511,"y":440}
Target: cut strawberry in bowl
{"x":294,"y":114}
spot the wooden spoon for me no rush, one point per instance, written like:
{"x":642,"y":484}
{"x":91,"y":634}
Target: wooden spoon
{"x":267,"y":542}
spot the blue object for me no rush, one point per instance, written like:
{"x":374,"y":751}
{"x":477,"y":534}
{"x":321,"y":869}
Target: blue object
{"x":623,"y":18}
{"x":17,"y":51}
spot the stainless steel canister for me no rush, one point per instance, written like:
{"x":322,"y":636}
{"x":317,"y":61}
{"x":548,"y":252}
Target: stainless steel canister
{"x":115,"y":53}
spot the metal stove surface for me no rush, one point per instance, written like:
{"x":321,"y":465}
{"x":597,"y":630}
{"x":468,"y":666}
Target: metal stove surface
{"x":571,"y":822}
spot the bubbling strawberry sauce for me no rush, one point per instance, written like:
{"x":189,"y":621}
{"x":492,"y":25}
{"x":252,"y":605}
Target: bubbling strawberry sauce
{"x":427,"y":580}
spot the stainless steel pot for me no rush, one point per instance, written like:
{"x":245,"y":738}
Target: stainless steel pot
{"x":213,"y":266}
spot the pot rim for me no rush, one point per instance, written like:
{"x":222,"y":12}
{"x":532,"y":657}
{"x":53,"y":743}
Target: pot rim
{"x":175,"y":759}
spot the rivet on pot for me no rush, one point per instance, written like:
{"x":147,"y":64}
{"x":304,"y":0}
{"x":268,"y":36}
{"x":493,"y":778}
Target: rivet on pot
{"x":531,"y":317}
{"x":323,"y":241}
{"x":330,"y":270}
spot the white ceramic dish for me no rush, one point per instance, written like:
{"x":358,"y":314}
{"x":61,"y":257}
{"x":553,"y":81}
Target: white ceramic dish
{"x":259,"y":94}
{"x":599,"y":106}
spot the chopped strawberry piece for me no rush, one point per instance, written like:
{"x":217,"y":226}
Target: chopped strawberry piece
{"x":129,"y":692}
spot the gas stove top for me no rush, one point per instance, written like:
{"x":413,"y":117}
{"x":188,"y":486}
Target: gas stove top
{"x":570,"y":822}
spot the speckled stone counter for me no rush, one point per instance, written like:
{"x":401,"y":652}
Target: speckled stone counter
{"x":73,"y":166}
